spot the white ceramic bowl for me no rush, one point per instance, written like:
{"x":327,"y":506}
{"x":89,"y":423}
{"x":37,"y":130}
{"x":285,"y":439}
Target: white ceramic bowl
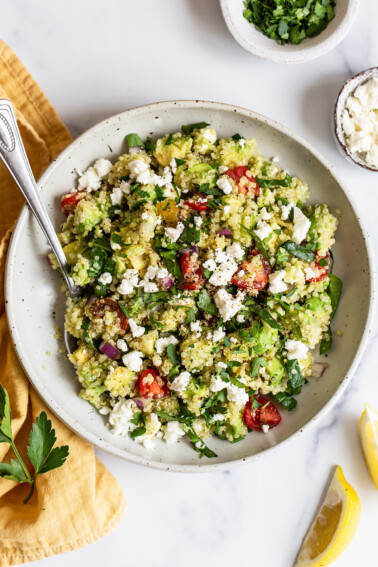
{"x":35,"y":304}
{"x":346,"y":90}
{"x":253,"y":41}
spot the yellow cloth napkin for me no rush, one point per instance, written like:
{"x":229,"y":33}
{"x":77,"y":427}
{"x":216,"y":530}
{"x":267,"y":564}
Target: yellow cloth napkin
{"x":81,"y":501}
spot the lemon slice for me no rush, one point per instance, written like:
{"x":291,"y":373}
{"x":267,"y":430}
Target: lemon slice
{"x":334,"y":527}
{"x":369,"y":440}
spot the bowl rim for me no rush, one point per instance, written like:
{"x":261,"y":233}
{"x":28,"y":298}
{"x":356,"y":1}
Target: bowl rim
{"x":81,"y":429}
{"x":337,"y":111}
{"x":298,"y":53}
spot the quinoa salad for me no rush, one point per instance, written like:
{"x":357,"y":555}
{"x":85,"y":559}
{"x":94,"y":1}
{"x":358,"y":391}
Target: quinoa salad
{"x":207,"y":282}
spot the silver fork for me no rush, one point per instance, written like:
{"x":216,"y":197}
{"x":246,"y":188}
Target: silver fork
{"x":13,"y":154}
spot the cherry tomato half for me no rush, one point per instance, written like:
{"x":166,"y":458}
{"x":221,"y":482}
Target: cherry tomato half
{"x":197,"y":205}
{"x":238,"y":173}
{"x":191,"y":271}
{"x":321,"y":272}
{"x":69,"y":202}
{"x":151,"y":385}
{"x":265,"y":414}
{"x":99,"y":307}
{"x":256,"y":273}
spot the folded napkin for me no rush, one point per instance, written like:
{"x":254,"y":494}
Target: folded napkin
{"x":81,"y":501}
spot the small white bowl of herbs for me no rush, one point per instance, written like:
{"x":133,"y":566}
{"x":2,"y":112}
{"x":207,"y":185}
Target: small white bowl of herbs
{"x":289,"y":31}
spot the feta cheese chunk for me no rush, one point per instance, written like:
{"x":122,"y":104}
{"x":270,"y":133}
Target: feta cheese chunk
{"x":276,"y":283}
{"x":218,"y":334}
{"x":103,"y":167}
{"x":237,"y":395}
{"x":173,"y":431}
{"x":227,"y":304}
{"x":122,"y":345}
{"x":301,"y":226}
{"x":173,"y":234}
{"x":285,"y":211}
{"x":162,"y":343}
{"x":180,"y":383}
{"x":137,"y":167}
{"x":135,"y":329}
{"x":263,"y":230}
{"x":309,"y":273}
{"x":224,"y":184}
{"x":116,"y":196}
{"x":105,"y":278}
{"x":120,"y":417}
{"x":89,"y":180}
{"x":264,"y":214}
{"x":296,"y":349}
{"x":217,"y":384}
{"x":130,"y":280}
{"x":195,"y":327}
{"x":133,"y":360}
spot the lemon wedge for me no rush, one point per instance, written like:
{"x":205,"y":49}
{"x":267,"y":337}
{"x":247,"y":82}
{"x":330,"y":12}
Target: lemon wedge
{"x":368,"y":426}
{"x":334,"y":527}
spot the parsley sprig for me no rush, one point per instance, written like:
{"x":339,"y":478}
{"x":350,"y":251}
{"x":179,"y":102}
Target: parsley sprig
{"x":40,"y":449}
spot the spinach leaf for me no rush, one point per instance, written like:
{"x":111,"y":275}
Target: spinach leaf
{"x":294,"y":372}
{"x":172,"y":354}
{"x":133,"y":140}
{"x":299,"y":251}
{"x":265,"y":183}
{"x":205,"y":303}
{"x":255,"y":366}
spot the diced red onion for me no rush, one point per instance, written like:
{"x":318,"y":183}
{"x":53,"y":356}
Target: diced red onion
{"x":225,"y":232}
{"x":168,"y":282}
{"x":318,"y":369}
{"x":49,"y":261}
{"x":190,"y":250}
{"x":139,"y":402}
{"x":109,"y":350}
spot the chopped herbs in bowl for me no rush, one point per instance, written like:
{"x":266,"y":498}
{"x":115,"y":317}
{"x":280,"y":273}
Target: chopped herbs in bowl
{"x":290,"y":21}
{"x":208,"y":281}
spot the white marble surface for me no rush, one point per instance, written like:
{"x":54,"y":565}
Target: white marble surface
{"x":94,"y":59}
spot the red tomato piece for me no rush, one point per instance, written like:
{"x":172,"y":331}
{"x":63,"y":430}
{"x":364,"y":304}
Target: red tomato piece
{"x":321,"y":272}
{"x":238,"y":173}
{"x":197,"y":205}
{"x":99,"y":307}
{"x":191,"y":271}
{"x":151,"y":385}
{"x":265,"y":414}
{"x":254,"y":277}
{"x":69,"y":202}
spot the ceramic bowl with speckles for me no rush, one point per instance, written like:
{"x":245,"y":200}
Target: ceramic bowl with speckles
{"x":35,"y":302}
{"x":253,"y":41}
{"x":347,"y":90}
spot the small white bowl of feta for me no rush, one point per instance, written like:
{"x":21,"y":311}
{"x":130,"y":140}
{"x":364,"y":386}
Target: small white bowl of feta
{"x":356,"y":119}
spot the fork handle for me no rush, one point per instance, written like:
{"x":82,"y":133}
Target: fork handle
{"x":13,"y":154}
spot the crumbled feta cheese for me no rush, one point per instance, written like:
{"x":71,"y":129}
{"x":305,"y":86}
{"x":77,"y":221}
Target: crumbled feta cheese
{"x":237,"y":395}
{"x":221,"y":364}
{"x":116,"y":196}
{"x":137,"y":167}
{"x":301,"y":226}
{"x":227,"y":304}
{"x":217,"y":384}
{"x":90,"y":180}
{"x":144,"y":216}
{"x":133,"y":360}
{"x":223,"y":169}
{"x":104,"y":411}
{"x":226,"y":209}
{"x":235,"y":251}
{"x":240,"y":318}
{"x":120,"y":417}
{"x":242,"y":143}
{"x":210,"y":265}
{"x":125,"y":187}
{"x":162,"y":343}
{"x":173,"y":431}
{"x":218,"y":334}
{"x":195,"y":327}
{"x":173,"y":234}
{"x":309,"y":272}
{"x":210,"y":135}
{"x":173,"y":165}
{"x":122,"y":345}
{"x":264,"y":214}
{"x":224,"y":184}
{"x":105,"y":278}
{"x":265,"y":427}
{"x":180,"y":383}
{"x":218,"y":417}
{"x":198,"y":221}
{"x":276,"y":283}
{"x":263,"y":230}
{"x":103,"y":167}
{"x":233,"y":340}
{"x":285,"y":211}
{"x":149,"y":287}
{"x":296,"y":349}
{"x":130,"y":280}
{"x":136,"y":330}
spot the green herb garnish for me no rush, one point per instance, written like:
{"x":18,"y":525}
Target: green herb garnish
{"x":133,"y":140}
{"x":188,"y":128}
